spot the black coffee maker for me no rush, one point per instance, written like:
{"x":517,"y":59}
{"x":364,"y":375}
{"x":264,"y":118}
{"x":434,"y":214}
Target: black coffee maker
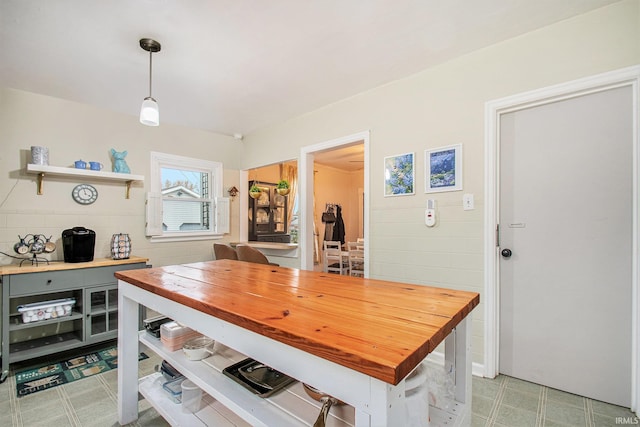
{"x":78,"y":244}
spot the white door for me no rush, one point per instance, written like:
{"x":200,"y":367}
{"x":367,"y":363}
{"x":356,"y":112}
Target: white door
{"x":566,"y":216}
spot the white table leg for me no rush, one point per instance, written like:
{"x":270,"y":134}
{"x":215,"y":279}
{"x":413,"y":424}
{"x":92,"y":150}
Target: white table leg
{"x":127,"y":357}
{"x":387,"y":406}
{"x":457,"y":355}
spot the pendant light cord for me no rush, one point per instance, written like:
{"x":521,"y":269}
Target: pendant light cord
{"x":150,"y":72}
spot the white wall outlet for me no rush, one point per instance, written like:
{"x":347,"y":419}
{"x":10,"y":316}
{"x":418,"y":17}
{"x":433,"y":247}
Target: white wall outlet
{"x":467,"y":202}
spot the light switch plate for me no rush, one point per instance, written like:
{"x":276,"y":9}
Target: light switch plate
{"x":467,"y":202}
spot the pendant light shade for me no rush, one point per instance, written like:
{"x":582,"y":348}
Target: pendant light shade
{"x":150,"y":113}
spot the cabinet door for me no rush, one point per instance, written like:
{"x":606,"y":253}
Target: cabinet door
{"x":101,"y":313}
{"x":260,"y":212}
{"x":264,"y":199}
{"x":263,"y":211}
{"x":279,"y":210}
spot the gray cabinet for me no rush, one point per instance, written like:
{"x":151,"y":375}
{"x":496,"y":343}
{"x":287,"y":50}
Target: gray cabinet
{"x":57,"y":307}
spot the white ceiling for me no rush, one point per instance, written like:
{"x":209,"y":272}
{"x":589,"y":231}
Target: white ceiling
{"x":234,"y":66}
{"x":348,"y":158}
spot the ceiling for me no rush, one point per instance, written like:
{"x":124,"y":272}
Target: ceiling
{"x":348,"y":158}
{"x":234,"y":66}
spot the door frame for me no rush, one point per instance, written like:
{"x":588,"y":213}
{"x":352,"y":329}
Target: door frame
{"x":626,"y":77}
{"x":306,"y":177}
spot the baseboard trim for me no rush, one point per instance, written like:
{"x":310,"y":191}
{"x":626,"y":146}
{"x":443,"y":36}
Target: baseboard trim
{"x":477,"y":369}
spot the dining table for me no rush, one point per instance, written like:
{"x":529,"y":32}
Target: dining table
{"x":357,"y":339}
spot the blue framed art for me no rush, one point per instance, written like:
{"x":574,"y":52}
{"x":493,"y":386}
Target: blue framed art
{"x":443,"y":169}
{"x":399,"y":175}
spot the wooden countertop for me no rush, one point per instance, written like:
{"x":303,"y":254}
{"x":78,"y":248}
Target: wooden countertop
{"x":60,"y":265}
{"x":382,"y":329}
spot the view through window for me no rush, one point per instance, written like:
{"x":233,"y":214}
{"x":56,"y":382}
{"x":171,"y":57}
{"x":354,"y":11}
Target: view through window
{"x":186,"y":200}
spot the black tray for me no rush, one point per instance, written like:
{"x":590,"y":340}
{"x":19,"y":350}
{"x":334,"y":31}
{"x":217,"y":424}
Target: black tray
{"x":257,"y":377}
{"x":153,"y":324}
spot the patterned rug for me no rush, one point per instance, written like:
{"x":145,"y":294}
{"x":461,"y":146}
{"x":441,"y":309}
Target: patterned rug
{"x":47,"y":376}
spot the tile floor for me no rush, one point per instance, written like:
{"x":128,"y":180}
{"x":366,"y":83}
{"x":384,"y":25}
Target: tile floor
{"x":90,"y":402}
{"x":507,"y":401}
{"x":503,"y":401}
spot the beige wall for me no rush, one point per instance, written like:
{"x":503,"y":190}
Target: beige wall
{"x":270,"y":174}
{"x":441,"y":106}
{"x":75,"y":131}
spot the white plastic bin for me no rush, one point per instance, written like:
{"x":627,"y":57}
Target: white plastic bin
{"x":46,"y":309}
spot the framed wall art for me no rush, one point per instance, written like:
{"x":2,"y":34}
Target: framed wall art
{"x":443,"y":169}
{"x":399,"y":175}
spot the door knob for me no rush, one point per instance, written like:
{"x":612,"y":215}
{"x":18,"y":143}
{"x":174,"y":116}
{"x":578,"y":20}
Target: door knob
{"x":506,"y":253}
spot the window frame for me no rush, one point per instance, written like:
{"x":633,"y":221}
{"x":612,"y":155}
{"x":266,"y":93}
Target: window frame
{"x":219,"y":204}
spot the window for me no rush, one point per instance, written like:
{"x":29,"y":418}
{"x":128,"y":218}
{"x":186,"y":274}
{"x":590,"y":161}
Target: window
{"x":185,"y":201}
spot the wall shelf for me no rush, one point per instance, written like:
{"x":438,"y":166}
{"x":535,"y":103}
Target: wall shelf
{"x":41,"y":170}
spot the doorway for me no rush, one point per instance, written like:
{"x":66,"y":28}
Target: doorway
{"x":497,"y":356}
{"x":310,"y":227}
{"x":338,"y":176}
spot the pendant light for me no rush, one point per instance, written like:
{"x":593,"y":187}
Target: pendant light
{"x":149,"y":113}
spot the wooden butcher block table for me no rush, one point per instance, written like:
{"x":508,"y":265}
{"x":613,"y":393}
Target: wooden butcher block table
{"x":356,"y":339}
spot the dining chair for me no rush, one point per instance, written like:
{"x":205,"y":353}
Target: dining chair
{"x":222,"y":251}
{"x":353,"y":246}
{"x":250,"y":254}
{"x":333,"y":260}
{"x":356,"y":262}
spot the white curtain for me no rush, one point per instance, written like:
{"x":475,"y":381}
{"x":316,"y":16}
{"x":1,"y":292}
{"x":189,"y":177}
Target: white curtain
{"x":290,"y":173}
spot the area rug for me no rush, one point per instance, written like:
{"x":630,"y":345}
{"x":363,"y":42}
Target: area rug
{"x":47,"y":376}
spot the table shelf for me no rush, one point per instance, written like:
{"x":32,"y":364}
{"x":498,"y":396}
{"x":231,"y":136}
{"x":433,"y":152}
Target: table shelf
{"x":289,"y":407}
{"x":151,"y":388}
